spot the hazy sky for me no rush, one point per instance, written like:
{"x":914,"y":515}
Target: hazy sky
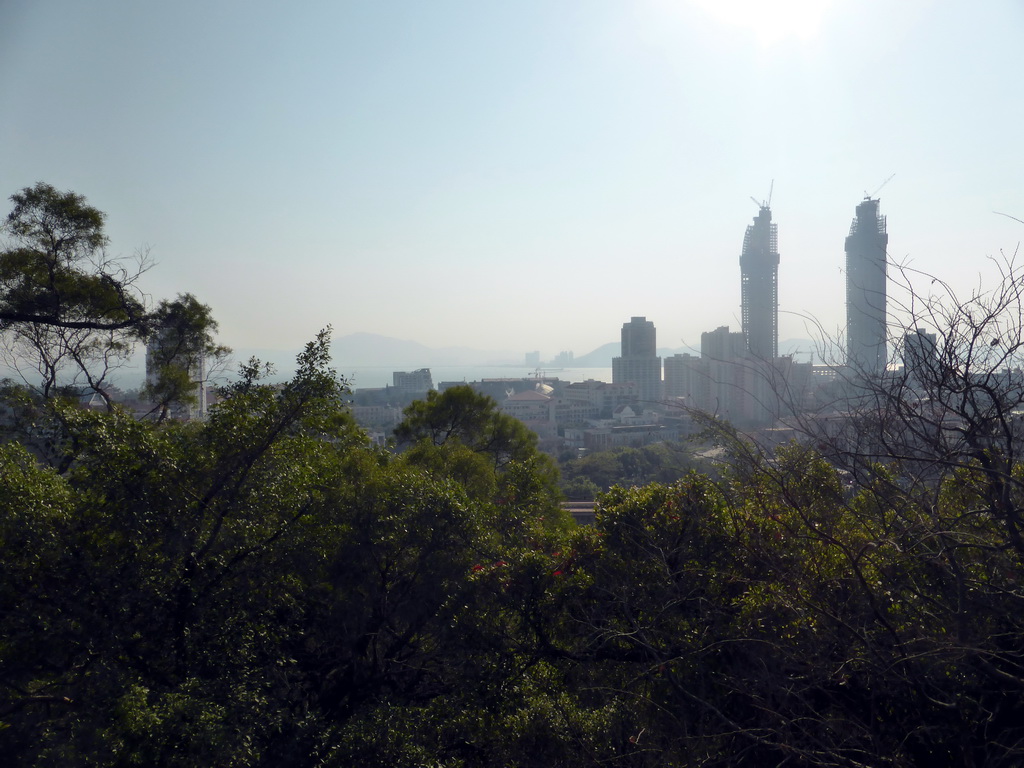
{"x":516,"y":175}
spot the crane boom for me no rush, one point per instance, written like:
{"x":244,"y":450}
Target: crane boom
{"x":880,"y":187}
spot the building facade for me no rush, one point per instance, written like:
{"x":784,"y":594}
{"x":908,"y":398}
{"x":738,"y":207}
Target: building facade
{"x":741,"y":389}
{"x":722,"y":344}
{"x":865,"y":290}
{"x":598,"y":399}
{"x":759,"y":275}
{"x":920,"y":354}
{"x":417,"y":382}
{"x":639,"y":362}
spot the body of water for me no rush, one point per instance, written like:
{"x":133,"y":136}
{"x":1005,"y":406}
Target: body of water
{"x":371,"y":377}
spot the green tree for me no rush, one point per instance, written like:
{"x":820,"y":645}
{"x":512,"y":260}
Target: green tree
{"x":463,"y":435}
{"x":149,"y":627}
{"x":656,"y":463}
{"x":70,"y":314}
{"x":68,"y":311}
{"x":461,"y":415}
{"x":264,"y":588}
{"x":56,"y":272}
{"x":181,"y":352}
{"x":780,"y":615}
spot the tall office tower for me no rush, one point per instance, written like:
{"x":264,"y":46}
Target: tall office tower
{"x":759,"y":272}
{"x":865,"y":289}
{"x":639,"y":362}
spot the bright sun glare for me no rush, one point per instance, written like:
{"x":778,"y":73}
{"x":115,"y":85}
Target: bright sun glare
{"x":770,"y":21}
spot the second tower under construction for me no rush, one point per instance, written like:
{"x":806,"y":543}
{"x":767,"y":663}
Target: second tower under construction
{"x":865,"y":289}
{"x":759,"y":272}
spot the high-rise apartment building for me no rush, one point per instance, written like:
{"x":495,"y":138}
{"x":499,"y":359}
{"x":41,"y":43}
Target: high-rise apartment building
{"x":759,"y":273}
{"x":865,"y":289}
{"x":639,"y":362}
{"x":920,"y":353}
{"x":639,"y":338}
{"x":722,"y":344}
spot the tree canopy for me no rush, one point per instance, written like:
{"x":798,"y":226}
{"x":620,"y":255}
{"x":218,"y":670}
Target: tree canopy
{"x":462,"y":435}
{"x":267,"y":588}
{"x":70,"y":314}
{"x":56,"y":271}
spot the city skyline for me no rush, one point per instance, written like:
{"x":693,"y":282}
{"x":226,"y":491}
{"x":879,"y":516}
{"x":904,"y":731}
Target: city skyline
{"x":516,"y":178}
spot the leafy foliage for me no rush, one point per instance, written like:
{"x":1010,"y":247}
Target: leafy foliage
{"x":70,"y":314}
{"x":462,"y":435}
{"x":181,"y":352}
{"x":260,"y":588}
{"x":599,"y":471}
{"x":67,"y":311}
{"x":266,"y":588}
{"x":57,"y":274}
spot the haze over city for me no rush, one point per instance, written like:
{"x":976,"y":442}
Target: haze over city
{"x":517,"y":176}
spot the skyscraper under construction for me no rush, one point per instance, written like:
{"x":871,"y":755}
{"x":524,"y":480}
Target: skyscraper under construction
{"x":759,"y":272}
{"x":865,"y":289}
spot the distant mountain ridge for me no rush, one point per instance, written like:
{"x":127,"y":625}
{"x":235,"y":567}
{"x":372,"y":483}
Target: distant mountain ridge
{"x":599,"y":358}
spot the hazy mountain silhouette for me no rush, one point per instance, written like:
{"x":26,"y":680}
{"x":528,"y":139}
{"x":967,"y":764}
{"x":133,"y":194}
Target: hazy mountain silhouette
{"x":599,"y":358}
